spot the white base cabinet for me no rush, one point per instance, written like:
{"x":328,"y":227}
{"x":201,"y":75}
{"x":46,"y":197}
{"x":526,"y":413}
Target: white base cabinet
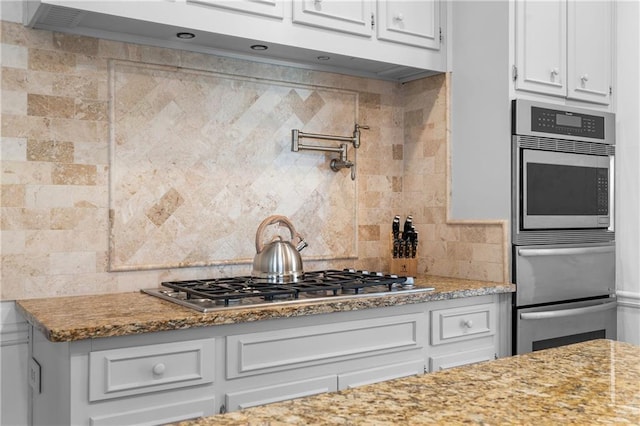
{"x":463,"y":332}
{"x":169,"y":376}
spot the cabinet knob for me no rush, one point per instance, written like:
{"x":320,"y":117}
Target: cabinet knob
{"x":555,"y":71}
{"x":159,"y":369}
{"x":585,"y":78}
{"x":468,"y":323}
{"x":399,"y":17}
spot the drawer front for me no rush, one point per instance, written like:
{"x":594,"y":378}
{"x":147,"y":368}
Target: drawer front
{"x":457,"y":359}
{"x":137,"y":370}
{"x":271,"y":351}
{"x":467,"y":322}
{"x":280,"y":392}
{"x":380,"y":374}
{"x":163,"y":414}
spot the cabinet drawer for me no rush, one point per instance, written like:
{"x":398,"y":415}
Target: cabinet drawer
{"x":137,"y":370}
{"x":457,"y":359}
{"x":467,"y":322}
{"x":271,"y":351}
{"x":380,"y":374}
{"x":163,"y":414}
{"x":280,"y":392}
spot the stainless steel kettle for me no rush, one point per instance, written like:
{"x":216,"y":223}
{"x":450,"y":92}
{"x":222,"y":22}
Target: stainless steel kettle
{"x":278,"y":261}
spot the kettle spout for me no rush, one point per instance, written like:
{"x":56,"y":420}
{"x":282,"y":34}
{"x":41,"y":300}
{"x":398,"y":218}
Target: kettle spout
{"x":301,"y":245}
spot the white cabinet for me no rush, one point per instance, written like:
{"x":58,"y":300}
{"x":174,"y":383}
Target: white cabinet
{"x":169,"y":376}
{"x":268,"y":8}
{"x":285,"y":363}
{"x":412,"y":23}
{"x":338,"y":35}
{"x":148,"y":379}
{"x":353,"y":17}
{"x":564,"y":48}
{"x":541,"y":43}
{"x":463,"y":334}
{"x":589,"y":50}
{"x":415,"y":23}
{"x":130,"y":371}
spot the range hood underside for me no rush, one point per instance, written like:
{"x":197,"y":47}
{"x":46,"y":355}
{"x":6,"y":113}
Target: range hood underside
{"x":87,"y":23}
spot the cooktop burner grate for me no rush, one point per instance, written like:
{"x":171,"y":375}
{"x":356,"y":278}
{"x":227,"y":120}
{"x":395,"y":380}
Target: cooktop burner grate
{"x":215,"y":293}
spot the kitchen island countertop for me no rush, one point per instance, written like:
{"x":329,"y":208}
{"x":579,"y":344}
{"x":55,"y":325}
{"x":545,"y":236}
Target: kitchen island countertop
{"x":596,"y":382}
{"x":65,"y":319}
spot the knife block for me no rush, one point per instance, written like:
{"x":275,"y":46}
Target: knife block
{"x":404,"y":266}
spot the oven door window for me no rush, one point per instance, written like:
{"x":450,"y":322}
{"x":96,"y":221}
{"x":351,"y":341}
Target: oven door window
{"x":562,"y":190}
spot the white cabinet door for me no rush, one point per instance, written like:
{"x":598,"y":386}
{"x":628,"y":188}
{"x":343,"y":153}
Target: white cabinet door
{"x":589,"y":51}
{"x":270,"y":8}
{"x":541,"y":46}
{"x":349,"y":16}
{"x":416,"y":23}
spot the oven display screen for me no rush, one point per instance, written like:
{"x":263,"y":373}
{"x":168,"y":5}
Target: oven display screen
{"x":568,"y":120}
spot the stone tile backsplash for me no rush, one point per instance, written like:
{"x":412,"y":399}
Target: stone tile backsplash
{"x":60,"y":172}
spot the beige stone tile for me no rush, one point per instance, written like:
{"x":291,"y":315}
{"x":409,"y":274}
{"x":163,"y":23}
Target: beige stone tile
{"x":18,"y":172}
{"x":75,"y":43}
{"x":50,"y":106}
{"x":459,"y":251}
{"x":47,"y":196}
{"x":13,"y":102}
{"x":13,"y":79}
{"x":72,"y":263}
{"x":12,"y":242}
{"x":12,"y":196}
{"x":55,"y":151}
{"x":13,"y":149}
{"x":473,"y":233}
{"x":73,"y":174}
{"x":51,"y":61}
{"x":13,"y":56}
{"x":17,"y":267}
{"x":487,"y":252}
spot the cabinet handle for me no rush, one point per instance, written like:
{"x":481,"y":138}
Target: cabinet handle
{"x":555,"y":71}
{"x":159,"y":369}
{"x":399,"y":17}
{"x":468,"y":323}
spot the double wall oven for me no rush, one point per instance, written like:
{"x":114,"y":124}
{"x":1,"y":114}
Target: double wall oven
{"x":563,"y":239}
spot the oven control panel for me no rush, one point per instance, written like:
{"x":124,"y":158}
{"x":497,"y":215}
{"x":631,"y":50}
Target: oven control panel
{"x":566,"y":123}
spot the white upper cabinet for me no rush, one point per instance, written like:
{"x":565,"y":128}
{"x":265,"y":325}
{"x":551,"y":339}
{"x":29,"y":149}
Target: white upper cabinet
{"x":541,"y":46}
{"x":353,"y":17}
{"x":589,"y":51}
{"x":564,"y":48}
{"x":415,"y":23}
{"x":270,"y":8}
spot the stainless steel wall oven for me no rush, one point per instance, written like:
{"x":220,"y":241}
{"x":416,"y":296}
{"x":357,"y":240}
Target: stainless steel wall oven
{"x":563,"y":253}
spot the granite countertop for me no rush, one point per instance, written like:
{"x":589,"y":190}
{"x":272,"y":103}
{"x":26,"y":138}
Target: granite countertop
{"x":596,"y":382}
{"x":64,"y":319}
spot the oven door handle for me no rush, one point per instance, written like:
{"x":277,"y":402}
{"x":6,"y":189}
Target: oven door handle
{"x":565,"y":251}
{"x":568,"y":312}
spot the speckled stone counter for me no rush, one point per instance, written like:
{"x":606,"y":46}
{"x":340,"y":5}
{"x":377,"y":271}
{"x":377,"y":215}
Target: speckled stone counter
{"x":595,"y":382}
{"x":64,"y":319}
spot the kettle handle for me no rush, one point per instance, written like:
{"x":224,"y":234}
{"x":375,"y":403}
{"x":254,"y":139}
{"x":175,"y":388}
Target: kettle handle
{"x":272,"y":220}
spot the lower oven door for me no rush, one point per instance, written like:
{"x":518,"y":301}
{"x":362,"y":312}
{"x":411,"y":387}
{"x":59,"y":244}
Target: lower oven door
{"x":550,"y":326}
{"x":563,"y":272}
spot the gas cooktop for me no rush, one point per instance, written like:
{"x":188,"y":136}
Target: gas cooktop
{"x":208,"y":295}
